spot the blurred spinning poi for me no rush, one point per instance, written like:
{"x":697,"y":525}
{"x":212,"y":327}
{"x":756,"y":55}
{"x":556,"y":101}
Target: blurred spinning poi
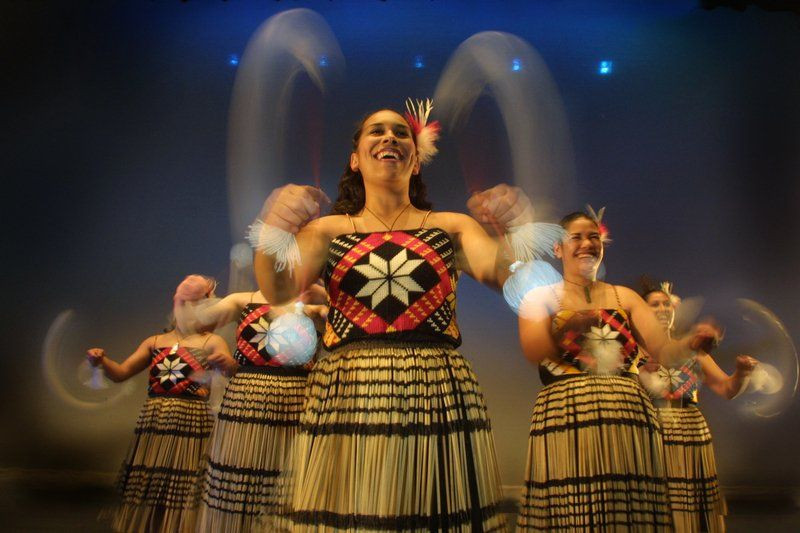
{"x":752,"y":329}
{"x":773,"y":383}
{"x":285,"y":46}
{"x":529,"y":103}
{"x":67,"y":372}
{"x":292,"y":338}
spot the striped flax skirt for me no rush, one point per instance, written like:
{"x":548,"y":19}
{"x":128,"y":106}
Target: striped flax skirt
{"x":250,"y":447}
{"x":694,"y":493}
{"x":595,"y":459}
{"x":394,"y":437}
{"x":160,"y":475}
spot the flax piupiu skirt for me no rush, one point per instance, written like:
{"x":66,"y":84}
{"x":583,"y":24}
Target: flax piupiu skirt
{"x":160,"y":475}
{"x":595,"y":459}
{"x":394,"y":437}
{"x":249,"y":447}
{"x":694,"y":493}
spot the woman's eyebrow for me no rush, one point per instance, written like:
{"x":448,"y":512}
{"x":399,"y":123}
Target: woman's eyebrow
{"x":396,"y":125}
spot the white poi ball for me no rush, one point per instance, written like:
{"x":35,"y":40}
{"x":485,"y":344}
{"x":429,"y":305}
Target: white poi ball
{"x":292,"y":338}
{"x":92,"y":376}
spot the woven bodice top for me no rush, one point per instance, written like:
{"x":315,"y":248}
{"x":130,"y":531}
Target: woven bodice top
{"x":678,"y":383}
{"x":252,"y":335}
{"x":392,"y":285}
{"x":178,"y":371}
{"x":595,"y":341}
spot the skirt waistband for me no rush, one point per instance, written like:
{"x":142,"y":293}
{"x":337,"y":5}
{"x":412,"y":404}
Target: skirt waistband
{"x":564,"y":377}
{"x":182,"y":396}
{"x":292,"y":371}
{"x":680,"y":403}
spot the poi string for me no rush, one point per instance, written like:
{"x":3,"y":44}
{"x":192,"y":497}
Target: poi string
{"x":530,"y":106}
{"x":287,"y":44}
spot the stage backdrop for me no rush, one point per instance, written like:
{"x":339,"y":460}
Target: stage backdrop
{"x":114,"y":179}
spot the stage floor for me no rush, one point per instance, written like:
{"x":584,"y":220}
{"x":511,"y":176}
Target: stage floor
{"x":59,"y":501}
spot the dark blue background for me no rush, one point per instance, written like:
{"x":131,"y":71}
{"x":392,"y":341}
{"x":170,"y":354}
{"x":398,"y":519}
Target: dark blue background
{"x":114,"y":126}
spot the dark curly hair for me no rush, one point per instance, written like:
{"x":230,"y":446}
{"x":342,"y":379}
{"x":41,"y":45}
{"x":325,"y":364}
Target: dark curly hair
{"x":568,"y":219}
{"x":351,"y":185}
{"x":648,"y":286}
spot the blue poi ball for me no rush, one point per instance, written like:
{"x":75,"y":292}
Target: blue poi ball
{"x":292,"y":338}
{"x":525,"y":278}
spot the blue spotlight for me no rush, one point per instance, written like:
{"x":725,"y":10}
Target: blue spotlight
{"x":233,"y":60}
{"x":516,"y":64}
{"x":605,"y":67}
{"x":419,"y":61}
{"x":323,"y":61}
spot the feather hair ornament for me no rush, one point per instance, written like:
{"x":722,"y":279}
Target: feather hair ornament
{"x":666,"y":288}
{"x":605,"y":235}
{"x":427,"y":134}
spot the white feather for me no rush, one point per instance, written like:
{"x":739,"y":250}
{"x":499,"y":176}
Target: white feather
{"x":534,"y":240}
{"x":270,"y":240}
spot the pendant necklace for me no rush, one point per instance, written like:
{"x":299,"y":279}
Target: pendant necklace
{"x":587,"y":289}
{"x":177,"y":343}
{"x":387,"y":226}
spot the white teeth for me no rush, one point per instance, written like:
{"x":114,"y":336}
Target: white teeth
{"x":388,"y":154}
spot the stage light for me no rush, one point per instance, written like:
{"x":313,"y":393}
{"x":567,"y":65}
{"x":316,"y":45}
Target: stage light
{"x":233,"y":60}
{"x":323,"y":61}
{"x":516,"y":64}
{"x":419,"y":61}
{"x":605,"y":67}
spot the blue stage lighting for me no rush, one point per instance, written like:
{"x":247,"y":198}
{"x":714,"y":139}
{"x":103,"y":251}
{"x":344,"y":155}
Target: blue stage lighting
{"x":605,"y":68}
{"x":233,"y":60}
{"x":516,"y":65}
{"x":419,"y":61}
{"x":323,"y":61}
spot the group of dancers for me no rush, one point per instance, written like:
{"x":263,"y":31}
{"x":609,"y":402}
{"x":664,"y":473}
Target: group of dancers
{"x":387,"y":429}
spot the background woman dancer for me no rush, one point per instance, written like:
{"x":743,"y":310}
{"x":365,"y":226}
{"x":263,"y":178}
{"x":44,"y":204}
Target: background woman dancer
{"x":594,"y":454}
{"x":695,"y":497}
{"x":259,"y":415}
{"x":159,"y":476}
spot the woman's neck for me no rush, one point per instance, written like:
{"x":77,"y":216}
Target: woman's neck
{"x":385,"y":200}
{"x":578,"y":279}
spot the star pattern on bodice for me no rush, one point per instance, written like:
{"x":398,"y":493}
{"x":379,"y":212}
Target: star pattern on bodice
{"x":391,"y":277}
{"x":171,"y":369}
{"x":398,"y":284}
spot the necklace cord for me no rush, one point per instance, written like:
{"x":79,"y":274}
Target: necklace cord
{"x":387,"y":226}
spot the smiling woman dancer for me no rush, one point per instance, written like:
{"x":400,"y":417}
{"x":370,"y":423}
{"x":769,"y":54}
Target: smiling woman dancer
{"x":694,"y":492}
{"x":258,"y":418}
{"x":160,"y":474}
{"x":594,"y":454}
{"x":395,"y":435}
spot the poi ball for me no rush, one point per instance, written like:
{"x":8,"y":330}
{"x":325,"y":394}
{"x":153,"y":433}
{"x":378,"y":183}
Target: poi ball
{"x":92,"y":376}
{"x":292,"y":338}
{"x":765,"y":379}
{"x":525,"y":277}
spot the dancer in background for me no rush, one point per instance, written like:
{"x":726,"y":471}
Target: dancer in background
{"x":595,"y":456}
{"x":694,"y":492}
{"x":259,"y":415}
{"x":395,"y":433}
{"x":159,"y":477}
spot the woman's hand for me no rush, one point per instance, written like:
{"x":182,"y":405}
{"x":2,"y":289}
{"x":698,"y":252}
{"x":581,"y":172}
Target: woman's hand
{"x":705,"y":337}
{"x":293,"y":206}
{"x":502,"y":205}
{"x":745,"y":365}
{"x":95,"y":356}
{"x":315,"y":311}
{"x":223,"y":362}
